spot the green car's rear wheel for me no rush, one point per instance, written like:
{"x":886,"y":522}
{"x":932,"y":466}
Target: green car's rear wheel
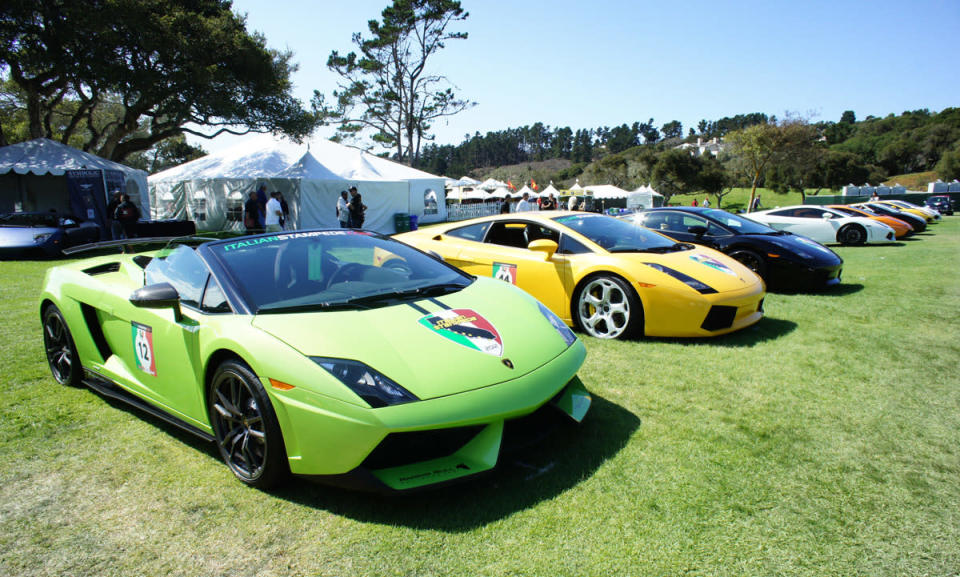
{"x":61,"y":352}
{"x":245,"y":426}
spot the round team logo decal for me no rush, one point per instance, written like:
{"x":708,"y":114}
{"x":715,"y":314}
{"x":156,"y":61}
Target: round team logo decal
{"x":712,"y":263}
{"x":466,"y":327}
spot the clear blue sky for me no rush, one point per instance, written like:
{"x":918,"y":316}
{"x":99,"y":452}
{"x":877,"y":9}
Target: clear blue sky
{"x":608,"y":62}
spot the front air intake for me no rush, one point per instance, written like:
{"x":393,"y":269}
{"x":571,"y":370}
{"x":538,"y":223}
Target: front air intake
{"x":719,"y":317}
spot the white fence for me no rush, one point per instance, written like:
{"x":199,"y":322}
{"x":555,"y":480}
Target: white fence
{"x":465,"y":211}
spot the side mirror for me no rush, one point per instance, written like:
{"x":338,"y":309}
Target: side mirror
{"x":545,"y":246}
{"x":827,"y":216}
{"x":157,"y":296}
{"x":697,"y":230}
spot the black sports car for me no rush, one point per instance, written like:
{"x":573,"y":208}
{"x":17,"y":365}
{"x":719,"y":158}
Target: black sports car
{"x":918,"y":224}
{"x":785,"y":261}
{"x":941,"y":203}
{"x":42,"y":234}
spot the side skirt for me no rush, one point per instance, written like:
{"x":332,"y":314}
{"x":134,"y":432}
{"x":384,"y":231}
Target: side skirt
{"x":108,"y":388}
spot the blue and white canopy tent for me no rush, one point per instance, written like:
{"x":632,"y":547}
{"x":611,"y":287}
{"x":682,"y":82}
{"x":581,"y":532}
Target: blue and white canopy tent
{"x":42,"y":175}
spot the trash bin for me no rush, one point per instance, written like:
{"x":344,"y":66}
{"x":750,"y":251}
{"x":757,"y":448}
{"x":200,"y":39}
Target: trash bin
{"x":401,"y":222}
{"x":414,"y":219}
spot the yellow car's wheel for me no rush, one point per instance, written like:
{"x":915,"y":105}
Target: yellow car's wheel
{"x":607,"y":308}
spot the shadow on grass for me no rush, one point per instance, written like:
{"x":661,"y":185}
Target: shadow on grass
{"x":767,"y":329}
{"x":839,"y":290}
{"x":523,"y":479}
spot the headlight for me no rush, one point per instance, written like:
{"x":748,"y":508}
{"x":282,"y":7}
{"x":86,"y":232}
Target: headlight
{"x":686,"y":279}
{"x":565,"y":333}
{"x":42,"y":237}
{"x":372,"y":386}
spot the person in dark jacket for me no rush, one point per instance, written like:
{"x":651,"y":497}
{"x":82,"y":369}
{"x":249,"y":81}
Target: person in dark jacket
{"x":357,"y":208}
{"x":127,"y":214}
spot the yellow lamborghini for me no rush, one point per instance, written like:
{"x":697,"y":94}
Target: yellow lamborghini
{"x":605,"y":276}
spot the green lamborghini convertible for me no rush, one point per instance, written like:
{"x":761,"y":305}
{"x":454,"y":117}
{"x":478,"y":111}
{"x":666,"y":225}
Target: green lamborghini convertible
{"x":341,"y":355}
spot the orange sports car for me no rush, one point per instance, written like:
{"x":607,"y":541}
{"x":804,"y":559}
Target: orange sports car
{"x":900,"y":228}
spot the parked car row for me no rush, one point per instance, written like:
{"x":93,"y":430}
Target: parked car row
{"x":351,"y":357}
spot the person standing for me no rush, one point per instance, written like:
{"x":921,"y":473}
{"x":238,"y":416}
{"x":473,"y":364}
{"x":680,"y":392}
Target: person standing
{"x":113,"y":225}
{"x":505,"y":205}
{"x":694,"y":203}
{"x":572,"y":203}
{"x":548,"y":203}
{"x":285,"y":208}
{"x":261,"y":206}
{"x":250,"y":210}
{"x":524,"y":204}
{"x":357,"y":208}
{"x":706,"y":202}
{"x":127,"y":214}
{"x":343,"y":210}
{"x":274,"y":212}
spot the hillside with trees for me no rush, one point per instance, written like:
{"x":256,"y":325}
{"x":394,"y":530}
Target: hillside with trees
{"x":790,"y":154}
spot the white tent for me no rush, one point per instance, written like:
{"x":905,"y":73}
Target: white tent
{"x":526,"y":189}
{"x":211,"y":190}
{"x":491,"y":184}
{"x":606,"y":191}
{"x":502,"y":193}
{"x":576,"y":186}
{"x":550,"y":190}
{"x":39,"y":175}
{"x":644,"y":197}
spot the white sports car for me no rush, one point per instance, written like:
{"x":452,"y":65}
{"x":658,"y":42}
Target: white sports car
{"x":824,"y":225}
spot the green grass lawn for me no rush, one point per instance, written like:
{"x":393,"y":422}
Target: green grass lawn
{"x":823,"y":441}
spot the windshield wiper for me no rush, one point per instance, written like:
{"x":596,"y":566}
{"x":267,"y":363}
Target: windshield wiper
{"x":364,"y":302}
{"x":677,"y":246}
{"x":313,"y":307}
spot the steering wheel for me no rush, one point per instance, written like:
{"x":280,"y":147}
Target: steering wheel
{"x":398,"y":266}
{"x":347,"y":272}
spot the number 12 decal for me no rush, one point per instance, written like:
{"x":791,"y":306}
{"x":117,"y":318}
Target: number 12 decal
{"x":143,"y":348}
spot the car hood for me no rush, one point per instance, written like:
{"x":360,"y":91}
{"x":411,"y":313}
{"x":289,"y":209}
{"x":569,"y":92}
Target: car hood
{"x":22,"y":235}
{"x":432,"y":347}
{"x":708,"y":266}
{"x":801,"y":245}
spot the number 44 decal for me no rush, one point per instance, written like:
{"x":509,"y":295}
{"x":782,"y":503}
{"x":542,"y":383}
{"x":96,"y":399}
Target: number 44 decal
{"x":143,"y":348}
{"x":505,"y":272}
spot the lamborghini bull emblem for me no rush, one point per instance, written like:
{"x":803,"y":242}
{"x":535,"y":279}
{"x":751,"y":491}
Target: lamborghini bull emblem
{"x":466,"y":327}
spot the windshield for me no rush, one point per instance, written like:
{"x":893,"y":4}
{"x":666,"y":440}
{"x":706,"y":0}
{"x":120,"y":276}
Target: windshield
{"x":618,"y":236}
{"x":322,"y":270}
{"x":738,"y":223}
{"x":44,"y":219}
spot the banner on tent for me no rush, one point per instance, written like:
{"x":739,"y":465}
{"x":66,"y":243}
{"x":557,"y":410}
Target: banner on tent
{"x":87,"y":195}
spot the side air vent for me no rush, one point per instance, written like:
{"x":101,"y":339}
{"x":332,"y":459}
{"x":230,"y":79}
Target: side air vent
{"x":102,"y":268}
{"x":96,"y":331}
{"x":142,"y":260}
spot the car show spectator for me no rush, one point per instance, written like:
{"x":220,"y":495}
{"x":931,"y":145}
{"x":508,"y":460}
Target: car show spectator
{"x":274,"y":212}
{"x":127,"y":214}
{"x":343,"y":210}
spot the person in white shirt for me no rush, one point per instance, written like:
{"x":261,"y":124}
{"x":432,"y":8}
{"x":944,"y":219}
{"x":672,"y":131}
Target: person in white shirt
{"x":524,"y":204}
{"x":273,"y":214}
{"x":343,"y":210}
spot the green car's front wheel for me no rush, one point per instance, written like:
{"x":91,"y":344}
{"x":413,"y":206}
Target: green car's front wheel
{"x":61,"y":352}
{"x":245,"y":426}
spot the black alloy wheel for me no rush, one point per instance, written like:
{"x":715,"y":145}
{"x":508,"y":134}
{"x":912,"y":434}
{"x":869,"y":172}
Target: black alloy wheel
{"x":245,"y":426}
{"x":61,"y":351}
{"x":751,"y":260}
{"x":852,"y":234}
